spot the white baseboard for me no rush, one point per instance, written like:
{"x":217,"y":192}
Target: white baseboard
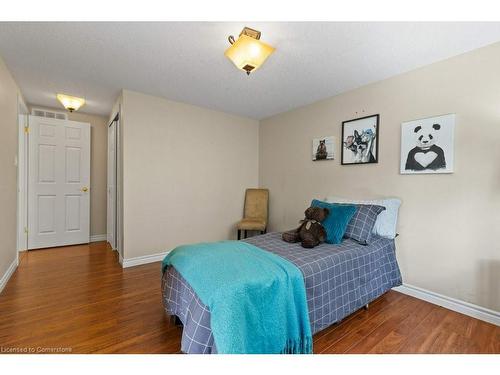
{"x":137,"y":261}
{"x":6,"y":276}
{"x":98,"y":237}
{"x":466,"y":308}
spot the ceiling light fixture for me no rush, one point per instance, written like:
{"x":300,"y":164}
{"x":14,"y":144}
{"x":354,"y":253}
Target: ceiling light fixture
{"x":248,"y":53}
{"x":71,"y":103}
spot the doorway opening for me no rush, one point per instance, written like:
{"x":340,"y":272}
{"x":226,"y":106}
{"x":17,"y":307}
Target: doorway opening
{"x":53,"y":182}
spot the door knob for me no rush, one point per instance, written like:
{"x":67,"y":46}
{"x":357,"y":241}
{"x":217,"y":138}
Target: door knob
{"x":85,"y":189}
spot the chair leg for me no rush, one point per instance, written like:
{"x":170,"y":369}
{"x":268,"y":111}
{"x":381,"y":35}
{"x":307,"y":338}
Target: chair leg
{"x":177,"y":321}
{"x":245,"y":233}
{"x":239,"y":235}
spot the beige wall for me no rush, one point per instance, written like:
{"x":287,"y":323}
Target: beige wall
{"x":185,"y":173}
{"x":448,"y":223}
{"x":98,"y":167}
{"x":8,"y":172}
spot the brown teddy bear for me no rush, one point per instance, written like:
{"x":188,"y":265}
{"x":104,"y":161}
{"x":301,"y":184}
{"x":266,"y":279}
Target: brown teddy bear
{"x":310,"y":233}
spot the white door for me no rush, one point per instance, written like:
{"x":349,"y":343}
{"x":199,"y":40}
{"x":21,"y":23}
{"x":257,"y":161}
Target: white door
{"x":59,"y":182}
{"x":111,"y":208}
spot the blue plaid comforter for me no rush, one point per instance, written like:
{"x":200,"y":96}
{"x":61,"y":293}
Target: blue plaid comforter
{"x":339,"y":280}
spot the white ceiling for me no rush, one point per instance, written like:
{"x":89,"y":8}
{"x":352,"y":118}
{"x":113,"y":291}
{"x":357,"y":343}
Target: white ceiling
{"x":185,"y":61}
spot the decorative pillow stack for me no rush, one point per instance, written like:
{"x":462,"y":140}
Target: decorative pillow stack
{"x":385,"y":225}
{"x":337,"y":220}
{"x":361,"y":225}
{"x":355,"y":221}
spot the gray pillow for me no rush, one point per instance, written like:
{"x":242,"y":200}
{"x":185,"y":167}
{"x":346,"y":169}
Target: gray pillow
{"x":361,"y":225}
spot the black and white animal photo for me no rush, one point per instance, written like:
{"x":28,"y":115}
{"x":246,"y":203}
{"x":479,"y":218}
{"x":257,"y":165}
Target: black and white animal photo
{"x":322,"y":148}
{"x":427,"y":145}
{"x":321,"y":152}
{"x":426,"y":154}
{"x":360,"y":140}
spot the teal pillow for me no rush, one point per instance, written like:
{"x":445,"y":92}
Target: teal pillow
{"x":337,"y":220}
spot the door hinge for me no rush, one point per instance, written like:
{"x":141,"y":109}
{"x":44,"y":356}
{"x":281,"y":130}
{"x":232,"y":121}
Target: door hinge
{"x":26,"y":129}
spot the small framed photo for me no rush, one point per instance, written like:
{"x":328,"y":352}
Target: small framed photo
{"x":427,"y":145}
{"x":360,"y":140}
{"x":323,"y":148}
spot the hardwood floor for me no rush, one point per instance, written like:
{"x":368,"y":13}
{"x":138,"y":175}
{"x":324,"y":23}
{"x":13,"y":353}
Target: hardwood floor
{"x":78,"y":297}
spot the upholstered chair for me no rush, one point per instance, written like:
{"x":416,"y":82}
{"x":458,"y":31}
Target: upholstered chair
{"x":255,"y":213}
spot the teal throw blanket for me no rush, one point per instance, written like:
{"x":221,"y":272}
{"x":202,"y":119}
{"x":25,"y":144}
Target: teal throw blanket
{"x":257,"y":300}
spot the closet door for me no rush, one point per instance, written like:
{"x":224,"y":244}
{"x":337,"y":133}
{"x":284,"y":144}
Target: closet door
{"x":59,"y":182}
{"x":111,"y":209}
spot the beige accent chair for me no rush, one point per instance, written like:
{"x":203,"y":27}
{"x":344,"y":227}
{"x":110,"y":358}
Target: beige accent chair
{"x":255,"y":215}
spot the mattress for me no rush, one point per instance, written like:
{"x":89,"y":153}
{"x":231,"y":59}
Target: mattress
{"x":339,"y":280}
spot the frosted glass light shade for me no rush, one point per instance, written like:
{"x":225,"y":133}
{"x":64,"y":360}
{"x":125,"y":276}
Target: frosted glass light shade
{"x":71,"y":103}
{"x":248,"y":53}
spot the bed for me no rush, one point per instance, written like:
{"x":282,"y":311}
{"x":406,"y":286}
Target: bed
{"x":339,"y":279}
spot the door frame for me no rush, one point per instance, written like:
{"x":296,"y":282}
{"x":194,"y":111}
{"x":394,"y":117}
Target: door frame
{"x":118,"y":117}
{"x":22,"y":162}
{"x":119,"y":186}
{"x":114,"y":214}
{"x":22,"y":175}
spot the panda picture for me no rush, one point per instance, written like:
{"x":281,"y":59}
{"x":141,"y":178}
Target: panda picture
{"x":426,"y":154}
{"x":427,"y":145}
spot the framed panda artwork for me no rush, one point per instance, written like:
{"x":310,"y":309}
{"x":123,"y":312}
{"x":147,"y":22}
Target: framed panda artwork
{"x":323,"y":148}
{"x":427,"y":145}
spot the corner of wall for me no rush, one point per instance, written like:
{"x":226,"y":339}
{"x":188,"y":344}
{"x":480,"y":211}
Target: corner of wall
{"x":9,"y":107}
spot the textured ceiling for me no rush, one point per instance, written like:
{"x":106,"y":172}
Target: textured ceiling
{"x":185,"y":61}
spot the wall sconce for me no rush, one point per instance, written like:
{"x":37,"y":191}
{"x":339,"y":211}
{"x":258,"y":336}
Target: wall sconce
{"x":248,"y":53}
{"x":71,"y":103}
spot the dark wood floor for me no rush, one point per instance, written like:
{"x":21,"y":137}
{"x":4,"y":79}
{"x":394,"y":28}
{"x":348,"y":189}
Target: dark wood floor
{"x":79,"y":297}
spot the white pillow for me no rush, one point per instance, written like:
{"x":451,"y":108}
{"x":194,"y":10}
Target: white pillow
{"x":385,"y":225}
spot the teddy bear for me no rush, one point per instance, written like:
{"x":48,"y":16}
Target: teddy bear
{"x":310,"y":232}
